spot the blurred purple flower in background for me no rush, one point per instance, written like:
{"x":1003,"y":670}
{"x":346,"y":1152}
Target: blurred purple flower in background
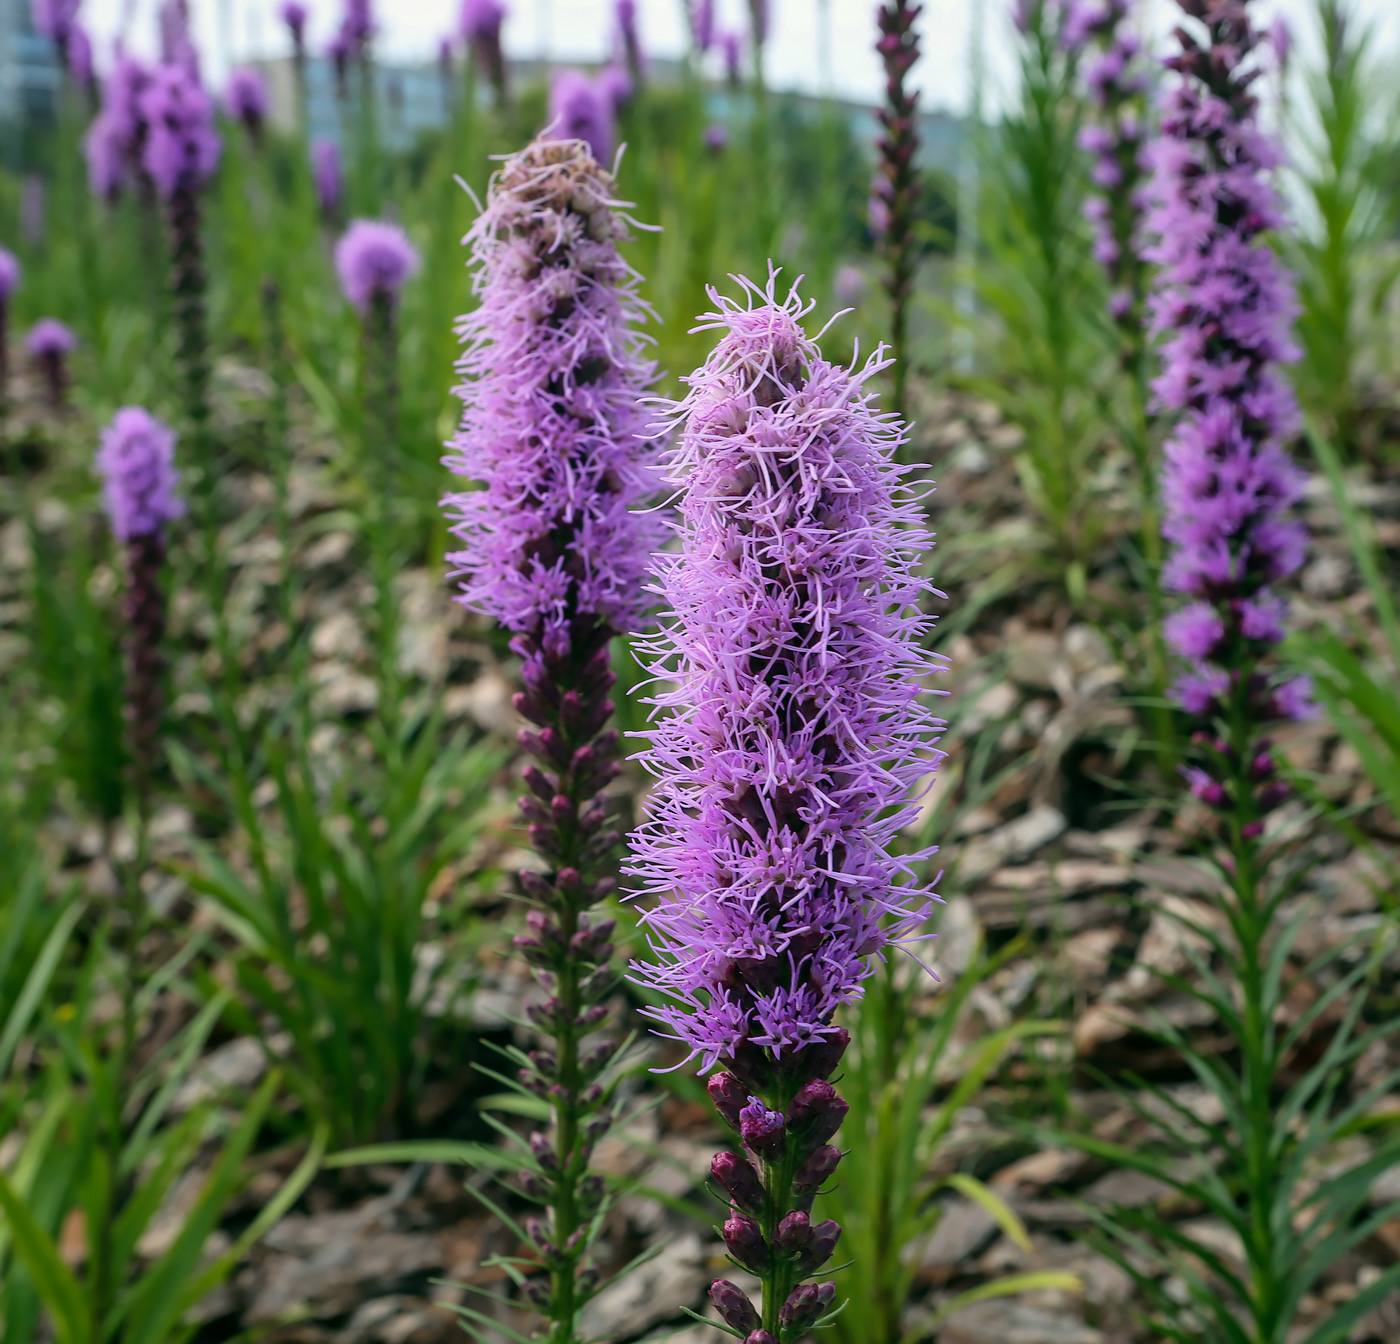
{"x":357,"y":28}
{"x":481,"y":22}
{"x":136,"y":462}
{"x":625,"y":15}
{"x":702,"y":24}
{"x":580,"y":110}
{"x":55,"y":19}
{"x":80,"y":57}
{"x":716,"y":137}
{"x":176,"y":41}
{"x":373,"y":259}
{"x":615,"y":86}
{"x":294,"y":15}
{"x":731,"y":47}
{"x":325,"y":171}
{"x":245,"y":98}
{"x":181,"y":145}
{"x":49,"y":344}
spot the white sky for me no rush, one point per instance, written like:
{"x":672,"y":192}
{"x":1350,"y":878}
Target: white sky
{"x":235,"y":30}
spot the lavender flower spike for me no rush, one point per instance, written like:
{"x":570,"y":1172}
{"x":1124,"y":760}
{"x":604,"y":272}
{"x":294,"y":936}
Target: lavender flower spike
{"x":373,"y":259}
{"x":9,"y":281}
{"x":796,"y":731}
{"x":1224,"y":306}
{"x":580,"y":110}
{"x":481,"y":27}
{"x":49,"y":344}
{"x":552,"y":382}
{"x":325,"y":170}
{"x":246,"y":99}
{"x":136,"y":463}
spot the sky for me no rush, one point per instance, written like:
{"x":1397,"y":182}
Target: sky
{"x":235,"y":30}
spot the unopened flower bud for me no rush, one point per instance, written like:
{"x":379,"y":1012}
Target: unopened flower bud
{"x":794,"y":1233}
{"x":806,"y":1305}
{"x":817,"y":1168}
{"x":744,"y":1240}
{"x":737,"y":1178}
{"x":728,"y":1096}
{"x":763,"y":1130}
{"x":734,"y":1307}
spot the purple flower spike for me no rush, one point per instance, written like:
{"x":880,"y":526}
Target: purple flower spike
{"x":245,"y":99}
{"x":325,"y":170}
{"x":49,"y":336}
{"x":55,"y":19}
{"x":49,"y":344}
{"x":480,"y":25}
{"x":373,"y":259}
{"x":630,"y":40}
{"x":182,"y":147}
{"x":767,"y":841}
{"x":294,"y":15}
{"x":137,"y":464}
{"x":1224,"y":307}
{"x":580,"y":110}
{"x":731,"y":47}
{"x":794,"y":731}
{"x":9,"y":274}
{"x":552,"y":420}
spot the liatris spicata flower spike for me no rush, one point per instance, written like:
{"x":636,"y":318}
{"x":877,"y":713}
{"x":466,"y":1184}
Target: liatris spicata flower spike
{"x":373,"y":259}
{"x":356,"y":29}
{"x":80,"y":59}
{"x":9,"y":281}
{"x":730,"y":45}
{"x":181,"y":153}
{"x":294,"y":15}
{"x":702,"y":25}
{"x":579,"y":110}
{"x":630,"y":41}
{"x":1117,"y":85}
{"x":786,"y":765}
{"x":116,"y":141}
{"x":481,"y":27}
{"x":245,"y":99}
{"x":614,"y":86}
{"x":49,"y":344}
{"x":552,"y":383}
{"x":325,"y":170}
{"x":136,"y":462}
{"x":1224,"y":306}
{"x":894,"y":196}
{"x":56,"y":20}
{"x":176,"y":40}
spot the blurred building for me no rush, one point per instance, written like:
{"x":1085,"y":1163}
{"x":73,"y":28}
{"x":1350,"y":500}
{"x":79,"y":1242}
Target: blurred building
{"x":29,"y":74}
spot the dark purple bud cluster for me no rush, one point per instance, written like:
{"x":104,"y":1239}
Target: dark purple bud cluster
{"x":785,"y":1158}
{"x":894,"y":194}
{"x":1226,"y":783}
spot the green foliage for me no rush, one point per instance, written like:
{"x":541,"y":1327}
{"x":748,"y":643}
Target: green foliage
{"x":906,"y":1075}
{"x":1046,"y":351}
{"x":1343,"y":254}
{"x":1354,"y":681}
{"x":330,"y":914}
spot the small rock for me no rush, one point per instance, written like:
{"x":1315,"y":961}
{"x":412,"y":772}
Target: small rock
{"x":1007,"y":1321}
{"x":1127,"y":1189}
{"x":675,"y":1277}
{"x":238,"y":1064}
{"x":1016,"y":840}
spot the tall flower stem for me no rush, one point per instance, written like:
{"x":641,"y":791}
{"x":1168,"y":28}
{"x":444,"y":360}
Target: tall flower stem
{"x":143,"y":614}
{"x":187,"y":286}
{"x":894,"y":201}
{"x":552,"y":383}
{"x":785,"y":766}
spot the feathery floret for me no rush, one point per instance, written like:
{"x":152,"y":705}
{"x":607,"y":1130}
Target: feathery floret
{"x":552,"y":377}
{"x":136,"y":461}
{"x":373,"y":258}
{"x":797,"y":724}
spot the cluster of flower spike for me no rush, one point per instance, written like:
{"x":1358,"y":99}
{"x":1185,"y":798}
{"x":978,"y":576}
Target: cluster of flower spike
{"x":1225,"y":306}
{"x":553,"y":378}
{"x":785,"y":767}
{"x":797,"y":728}
{"x":1117,"y":84}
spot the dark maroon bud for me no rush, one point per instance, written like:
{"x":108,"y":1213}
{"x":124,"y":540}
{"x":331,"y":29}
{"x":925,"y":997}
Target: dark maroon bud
{"x":539,"y":1291}
{"x":554,"y":747}
{"x":811,"y":1100}
{"x":529,"y":707}
{"x":536,"y":885}
{"x":759,"y":1337}
{"x":544,"y":927}
{"x":543,"y":1152}
{"x":595,"y":1057}
{"x":533,"y":810}
{"x":1252,"y":830}
{"x":745,"y":1241}
{"x":1272,"y":794}
{"x":794,"y":1234}
{"x":594,"y":1128}
{"x":561,"y":809}
{"x":823,"y":1058}
{"x":546,"y":1015}
{"x":576,"y":1239}
{"x":596,"y":983}
{"x":737,"y":1178}
{"x":531,"y":949}
{"x":590,"y":1017}
{"x":806,"y":1305}
{"x":569,"y":884}
{"x":535,"y":1188}
{"x":817,"y":1168}
{"x":728,"y":1096}
{"x":587,"y":1279}
{"x":590,"y":1192}
{"x":545,"y":1062}
{"x":734,"y":1308}
{"x":539,"y":1234}
{"x":591,"y":1095}
{"x":532,"y":1082}
{"x":543,"y":840}
{"x":824,"y":1238}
